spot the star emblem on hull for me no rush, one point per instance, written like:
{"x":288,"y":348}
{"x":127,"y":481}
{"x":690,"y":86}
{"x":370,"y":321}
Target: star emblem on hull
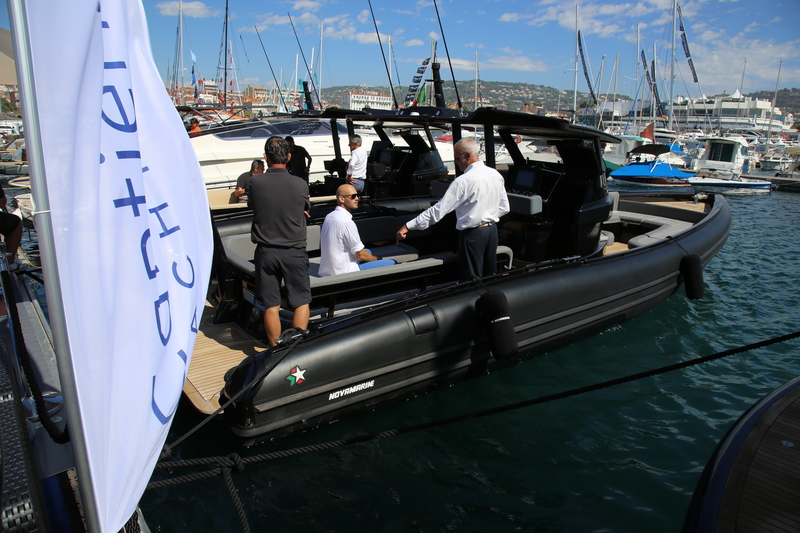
{"x":297,"y":376}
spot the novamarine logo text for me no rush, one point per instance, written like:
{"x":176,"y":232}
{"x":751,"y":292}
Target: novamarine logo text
{"x":351,"y":390}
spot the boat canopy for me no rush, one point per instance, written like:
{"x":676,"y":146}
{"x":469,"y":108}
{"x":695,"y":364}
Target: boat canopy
{"x":651,"y":169}
{"x":652,"y":149}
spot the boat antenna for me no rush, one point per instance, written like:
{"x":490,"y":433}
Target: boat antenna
{"x":385,"y":63}
{"x":446,"y":51}
{"x":313,"y":85}
{"x":270,"y":67}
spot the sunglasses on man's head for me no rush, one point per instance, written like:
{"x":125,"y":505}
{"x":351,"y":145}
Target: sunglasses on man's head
{"x":351,"y":196}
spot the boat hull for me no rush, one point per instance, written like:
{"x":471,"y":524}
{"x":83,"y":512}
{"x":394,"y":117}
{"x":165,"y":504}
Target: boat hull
{"x":438,"y":338}
{"x":718,"y":184}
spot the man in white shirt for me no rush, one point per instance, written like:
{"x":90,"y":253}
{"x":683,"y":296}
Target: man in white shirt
{"x":357,"y":167}
{"x":341,"y":249}
{"x":479,"y":199}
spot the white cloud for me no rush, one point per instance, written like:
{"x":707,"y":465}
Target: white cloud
{"x":364,"y":16}
{"x":509,"y":51}
{"x":190,"y":9}
{"x":433,"y":35}
{"x":414,"y":42}
{"x":306,"y":5}
{"x":510,"y":17}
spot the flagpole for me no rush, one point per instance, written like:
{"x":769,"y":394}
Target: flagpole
{"x":44,"y":228}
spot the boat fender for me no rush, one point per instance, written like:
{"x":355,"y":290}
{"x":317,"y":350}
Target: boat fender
{"x":241,"y":376}
{"x":493,"y":310}
{"x":692,"y":271}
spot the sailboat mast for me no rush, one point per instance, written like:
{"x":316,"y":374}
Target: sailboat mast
{"x":741,"y":94}
{"x":772,"y":107}
{"x":180,"y":22}
{"x":672,"y":62}
{"x":616,"y":79}
{"x":52,"y":283}
{"x":476,"y":79}
{"x":641,"y":98}
{"x":225,"y":58}
{"x":575,"y":81}
{"x":391,"y":83}
{"x":319,"y":67}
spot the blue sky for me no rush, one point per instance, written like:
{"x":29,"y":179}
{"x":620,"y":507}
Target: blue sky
{"x":516,"y":41}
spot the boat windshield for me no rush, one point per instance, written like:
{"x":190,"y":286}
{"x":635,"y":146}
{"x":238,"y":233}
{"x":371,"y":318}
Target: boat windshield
{"x":281,"y":128}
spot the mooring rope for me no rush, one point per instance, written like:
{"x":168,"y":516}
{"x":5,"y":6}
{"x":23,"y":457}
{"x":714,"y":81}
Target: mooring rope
{"x":224,"y":465}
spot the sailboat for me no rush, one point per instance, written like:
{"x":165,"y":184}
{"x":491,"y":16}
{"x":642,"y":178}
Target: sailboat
{"x":124,"y":239}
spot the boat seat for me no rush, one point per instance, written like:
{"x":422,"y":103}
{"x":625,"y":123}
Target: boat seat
{"x":379,"y":234}
{"x":661,"y":228}
{"x":613,"y":218}
{"x":524,"y":204}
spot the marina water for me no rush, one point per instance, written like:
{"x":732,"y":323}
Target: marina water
{"x":623,"y":459}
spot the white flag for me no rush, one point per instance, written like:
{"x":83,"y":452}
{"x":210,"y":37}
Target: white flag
{"x":132,"y":234}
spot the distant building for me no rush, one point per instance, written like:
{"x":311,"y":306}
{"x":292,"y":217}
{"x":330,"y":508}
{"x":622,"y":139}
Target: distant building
{"x":256,"y":94}
{"x":362,"y":99}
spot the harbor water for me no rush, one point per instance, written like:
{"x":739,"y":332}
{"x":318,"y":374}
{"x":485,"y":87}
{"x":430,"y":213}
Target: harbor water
{"x":623,"y":459}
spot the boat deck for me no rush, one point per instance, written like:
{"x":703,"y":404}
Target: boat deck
{"x":218,"y":347}
{"x":752,"y":483}
{"x":763,"y":489}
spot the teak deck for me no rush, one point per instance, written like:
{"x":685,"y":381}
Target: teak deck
{"x":218,"y":347}
{"x":762,"y":492}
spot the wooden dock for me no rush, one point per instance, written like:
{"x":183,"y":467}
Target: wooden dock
{"x":753,"y":482}
{"x":218,"y":347}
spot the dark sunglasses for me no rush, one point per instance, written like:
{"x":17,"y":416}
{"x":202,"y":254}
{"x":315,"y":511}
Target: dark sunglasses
{"x":351,"y":196}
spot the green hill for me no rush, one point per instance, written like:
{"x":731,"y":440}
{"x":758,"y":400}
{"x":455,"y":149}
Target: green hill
{"x":503,"y":95}
{"x":521,"y":96}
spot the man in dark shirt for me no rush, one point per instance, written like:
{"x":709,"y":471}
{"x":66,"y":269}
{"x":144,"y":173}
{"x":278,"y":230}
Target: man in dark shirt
{"x":280,"y":207}
{"x":300,"y":162}
{"x":243,"y":182}
{"x":11,"y":229}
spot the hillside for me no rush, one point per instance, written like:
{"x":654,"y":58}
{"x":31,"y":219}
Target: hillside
{"x":788,"y":100}
{"x":504,"y":95}
{"x":518,"y":96}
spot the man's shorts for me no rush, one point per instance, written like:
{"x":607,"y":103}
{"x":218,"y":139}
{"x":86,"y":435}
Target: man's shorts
{"x":289,"y":265}
{"x":8,"y":223}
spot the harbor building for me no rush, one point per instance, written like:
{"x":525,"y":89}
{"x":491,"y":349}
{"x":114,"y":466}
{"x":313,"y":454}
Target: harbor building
{"x":362,"y":99}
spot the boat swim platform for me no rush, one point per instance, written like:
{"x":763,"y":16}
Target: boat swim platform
{"x":217,"y":348}
{"x":753,"y":481}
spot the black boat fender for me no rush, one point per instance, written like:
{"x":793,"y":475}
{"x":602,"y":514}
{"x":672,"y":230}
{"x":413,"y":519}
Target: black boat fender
{"x":692,"y":271}
{"x":250,"y":373}
{"x":493,"y":310}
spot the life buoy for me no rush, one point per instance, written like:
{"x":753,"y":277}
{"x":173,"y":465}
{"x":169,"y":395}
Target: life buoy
{"x":692,"y":271}
{"x":494,"y":312}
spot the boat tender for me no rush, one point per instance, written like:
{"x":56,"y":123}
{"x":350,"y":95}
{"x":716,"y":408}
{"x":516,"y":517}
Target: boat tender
{"x":574,"y":259}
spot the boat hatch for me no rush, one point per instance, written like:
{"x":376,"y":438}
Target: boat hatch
{"x":424,"y":320}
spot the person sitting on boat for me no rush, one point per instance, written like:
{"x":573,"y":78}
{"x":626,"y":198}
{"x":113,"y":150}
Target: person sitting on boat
{"x":11,"y":229}
{"x":243,"y":181}
{"x":357,"y":167}
{"x":479,"y":199}
{"x":280,"y":206}
{"x":194,"y":125}
{"x":341,"y":249}
{"x":300,"y":162}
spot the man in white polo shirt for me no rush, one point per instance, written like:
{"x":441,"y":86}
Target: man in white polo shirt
{"x":341,"y":249}
{"x":357,"y":167}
